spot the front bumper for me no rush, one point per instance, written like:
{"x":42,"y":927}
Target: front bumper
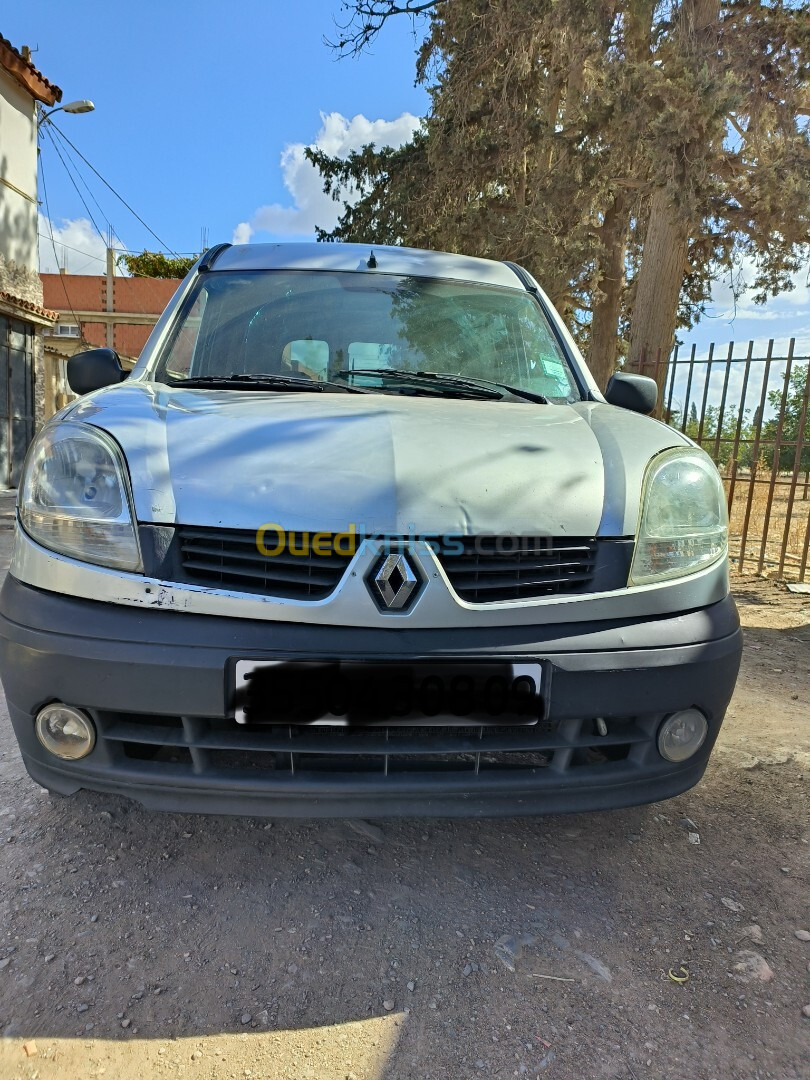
{"x":157,"y":686}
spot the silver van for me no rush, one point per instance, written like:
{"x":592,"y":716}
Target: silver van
{"x":359,"y":534}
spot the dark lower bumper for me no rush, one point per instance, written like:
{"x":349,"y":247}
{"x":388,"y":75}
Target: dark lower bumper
{"x":158,"y":681}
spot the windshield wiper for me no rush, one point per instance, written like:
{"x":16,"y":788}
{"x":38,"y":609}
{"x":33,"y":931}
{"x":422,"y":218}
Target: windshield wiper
{"x":260,"y":382}
{"x":454,"y":383}
{"x":517,"y":391}
{"x":248,"y":382}
{"x":484,"y":388}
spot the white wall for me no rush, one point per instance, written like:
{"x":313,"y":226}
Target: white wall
{"x":18,"y":166}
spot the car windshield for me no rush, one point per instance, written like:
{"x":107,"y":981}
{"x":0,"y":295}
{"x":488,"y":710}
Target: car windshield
{"x":353,"y":327}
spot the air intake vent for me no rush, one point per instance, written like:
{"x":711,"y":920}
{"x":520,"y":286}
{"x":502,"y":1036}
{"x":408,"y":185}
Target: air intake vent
{"x":496,"y":568}
{"x":230,"y":559}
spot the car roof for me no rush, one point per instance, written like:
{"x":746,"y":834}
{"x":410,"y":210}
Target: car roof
{"x":411,"y":262}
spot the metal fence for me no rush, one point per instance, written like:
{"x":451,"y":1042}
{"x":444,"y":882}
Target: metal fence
{"x":750,"y":413}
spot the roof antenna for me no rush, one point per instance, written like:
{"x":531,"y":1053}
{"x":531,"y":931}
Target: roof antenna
{"x":372,"y":262}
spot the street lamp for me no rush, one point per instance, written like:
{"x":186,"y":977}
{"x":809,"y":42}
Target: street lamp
{"x":81,"y":106}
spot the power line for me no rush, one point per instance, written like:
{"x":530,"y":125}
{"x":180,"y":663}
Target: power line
{"x":53,"y":242}
{"x":112,"y":189}
{"x":87,"y":187}
{"x":78,"y":251}
{"x":176,"y":254}
{"x":76,"y":186}
{"x":98,"y":258}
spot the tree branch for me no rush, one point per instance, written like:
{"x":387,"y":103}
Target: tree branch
{"x":367,"y":18}
{"x":629,"y":182}
{"x":737,"y":127}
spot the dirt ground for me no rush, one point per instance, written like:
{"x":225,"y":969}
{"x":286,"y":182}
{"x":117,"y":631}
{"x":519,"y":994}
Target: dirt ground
{"x":140,"y":945}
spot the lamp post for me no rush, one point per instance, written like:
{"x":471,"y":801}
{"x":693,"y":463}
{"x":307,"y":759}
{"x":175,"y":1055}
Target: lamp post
{"x":81,"y":106}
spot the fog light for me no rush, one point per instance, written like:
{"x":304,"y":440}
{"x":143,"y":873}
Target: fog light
{"x":65,"y":731}
{"x":682,"y":735}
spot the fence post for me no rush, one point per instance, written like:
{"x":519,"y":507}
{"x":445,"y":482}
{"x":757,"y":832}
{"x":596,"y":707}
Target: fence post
{"x":777,"y":450}
{"x":797,"y":461}
{"x":699,"y":439}
{"x":722,"y":413}
{"x":686,"y":404}
{"x":763,"y":399}
{"x":735,"y":450}
{"x":672,"y":370}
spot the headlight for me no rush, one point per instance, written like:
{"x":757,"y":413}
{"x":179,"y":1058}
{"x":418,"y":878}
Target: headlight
{"x":75,"y":499}
{"x":683,"y":525}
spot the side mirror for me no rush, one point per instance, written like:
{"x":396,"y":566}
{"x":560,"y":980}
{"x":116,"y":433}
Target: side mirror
{"x":88,"y":371}
{"x":634,"y":392}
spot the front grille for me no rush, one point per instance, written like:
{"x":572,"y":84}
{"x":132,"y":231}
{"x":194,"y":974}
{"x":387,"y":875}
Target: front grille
{"x":183,"y":747}
{"x":231,"y":558}
{"x":486,"y":570}
{"x":493,"y":568}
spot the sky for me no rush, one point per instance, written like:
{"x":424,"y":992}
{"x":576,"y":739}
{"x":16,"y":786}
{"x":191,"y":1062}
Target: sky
{"x":202,"y":114}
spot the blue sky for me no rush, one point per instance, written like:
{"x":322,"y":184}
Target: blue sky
{"x":202,"y":113}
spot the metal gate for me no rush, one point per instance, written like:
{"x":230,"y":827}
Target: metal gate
{"x":16,"y":396}
{"x":751,"y":413}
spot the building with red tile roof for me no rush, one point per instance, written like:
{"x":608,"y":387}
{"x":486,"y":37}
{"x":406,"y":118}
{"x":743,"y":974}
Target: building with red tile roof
{"x":23,"y":315}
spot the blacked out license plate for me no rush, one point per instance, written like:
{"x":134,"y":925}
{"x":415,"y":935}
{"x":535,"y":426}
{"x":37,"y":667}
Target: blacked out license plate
{"x":368,"y":693}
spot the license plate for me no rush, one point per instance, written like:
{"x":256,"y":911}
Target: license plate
{"x":368,"y":693}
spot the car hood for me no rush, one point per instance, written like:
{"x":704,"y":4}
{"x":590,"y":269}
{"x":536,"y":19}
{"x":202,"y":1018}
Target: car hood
{"x":386,"y":464}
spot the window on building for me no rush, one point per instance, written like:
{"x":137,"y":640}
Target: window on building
{"x":16,"y":396}
{"x":67,"y":330}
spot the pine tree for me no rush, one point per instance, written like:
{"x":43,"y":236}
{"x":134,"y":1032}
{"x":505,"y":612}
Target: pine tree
{"x":627,"y":153}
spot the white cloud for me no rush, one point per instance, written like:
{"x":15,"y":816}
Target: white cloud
{"x":242,"y":233}
{"x":782,"y":317}
{"x":309,"y":205}
{"x":79,"y":248}
{"x":791,"y":304}
{"x":801,"y":346}
{"x":755,"y":314}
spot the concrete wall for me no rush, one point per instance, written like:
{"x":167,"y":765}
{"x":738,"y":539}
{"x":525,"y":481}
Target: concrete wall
{"x":18,"y":191}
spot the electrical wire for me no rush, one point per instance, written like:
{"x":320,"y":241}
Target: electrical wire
{"x":117,"y":195}
{"x":78,"y":251}
{"x":56,"y":257}
{"x":160,"y":251}
{"x":77,"y":171}
{"x":159,"y":299}
{"x":68,"y":146}
{"x":76,"y":186}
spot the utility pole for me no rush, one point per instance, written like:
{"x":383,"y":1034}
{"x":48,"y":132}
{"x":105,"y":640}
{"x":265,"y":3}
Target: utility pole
{"x":110,"y":288}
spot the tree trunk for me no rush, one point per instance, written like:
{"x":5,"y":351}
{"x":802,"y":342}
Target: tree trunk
{"x":666,"y":245}
{"x":604,"y":345}
{"x":655,"y":307}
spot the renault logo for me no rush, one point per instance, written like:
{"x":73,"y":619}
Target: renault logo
{"x":394,"y":582}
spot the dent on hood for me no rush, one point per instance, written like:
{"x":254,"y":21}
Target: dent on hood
{"x":385,"y":464}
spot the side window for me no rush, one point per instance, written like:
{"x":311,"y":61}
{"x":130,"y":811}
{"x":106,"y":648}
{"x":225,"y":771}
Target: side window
{"x":309,"y":357}
{"x":370,"y":354}
{"x":184,"y":345}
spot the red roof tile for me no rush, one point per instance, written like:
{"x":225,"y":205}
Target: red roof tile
{"x":28,"y":305}
{"x":29,"y":77}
